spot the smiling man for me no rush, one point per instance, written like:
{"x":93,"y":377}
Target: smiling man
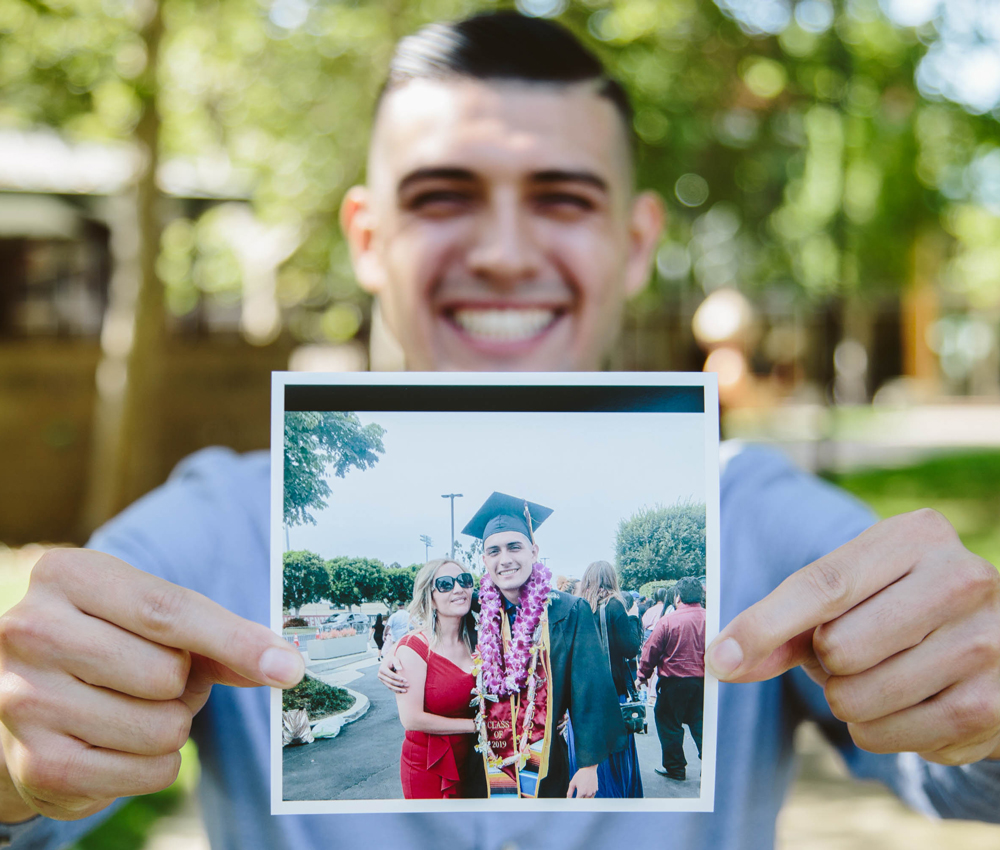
{"x":499,"y":230}
{"x":540,"y":656}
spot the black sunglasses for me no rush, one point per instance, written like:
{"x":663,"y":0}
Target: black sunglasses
{"x":446,"y":583}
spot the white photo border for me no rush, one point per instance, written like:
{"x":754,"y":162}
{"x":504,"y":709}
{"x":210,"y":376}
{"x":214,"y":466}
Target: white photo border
{"x":705,"y":802}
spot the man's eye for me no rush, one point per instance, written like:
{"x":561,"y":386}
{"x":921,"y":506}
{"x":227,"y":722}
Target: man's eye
{"x":438,"y":198}
{"x":565,"y":200}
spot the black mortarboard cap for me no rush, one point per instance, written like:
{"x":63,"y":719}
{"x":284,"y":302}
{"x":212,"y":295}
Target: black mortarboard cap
{"x":501,"y":512}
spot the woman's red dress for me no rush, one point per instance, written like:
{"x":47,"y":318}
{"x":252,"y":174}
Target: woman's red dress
{"x":431,"y":765}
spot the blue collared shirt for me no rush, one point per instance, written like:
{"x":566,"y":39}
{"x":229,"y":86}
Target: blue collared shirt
{"x":207,"y":528}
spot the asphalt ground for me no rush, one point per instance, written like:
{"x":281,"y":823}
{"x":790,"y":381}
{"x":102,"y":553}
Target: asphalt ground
{"x":362,"y":762}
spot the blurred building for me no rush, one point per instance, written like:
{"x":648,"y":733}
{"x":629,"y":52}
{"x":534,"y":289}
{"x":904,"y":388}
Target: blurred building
{"x":61,"y":228}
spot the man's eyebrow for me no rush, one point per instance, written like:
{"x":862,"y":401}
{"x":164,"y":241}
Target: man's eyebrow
{"x":555,"y":175}
{"x":441,"y":173}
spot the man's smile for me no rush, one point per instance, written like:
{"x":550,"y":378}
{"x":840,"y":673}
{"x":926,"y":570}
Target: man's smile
{"x":504,"y":324}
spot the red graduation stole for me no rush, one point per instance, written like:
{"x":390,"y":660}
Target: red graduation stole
{"x":516,"y":764}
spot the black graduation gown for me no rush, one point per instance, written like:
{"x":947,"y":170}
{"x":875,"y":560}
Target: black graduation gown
{"x":581,"y":684}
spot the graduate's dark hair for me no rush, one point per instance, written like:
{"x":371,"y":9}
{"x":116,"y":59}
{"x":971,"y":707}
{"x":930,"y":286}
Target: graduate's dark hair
{"x":503,"y":46}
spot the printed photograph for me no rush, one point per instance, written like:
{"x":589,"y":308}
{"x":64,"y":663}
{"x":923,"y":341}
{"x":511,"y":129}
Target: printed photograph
{"x":499,"y":593}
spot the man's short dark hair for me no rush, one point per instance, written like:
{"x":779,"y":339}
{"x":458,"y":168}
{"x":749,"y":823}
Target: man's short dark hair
{"x":689,"y":591}
{"x":503,"y":46}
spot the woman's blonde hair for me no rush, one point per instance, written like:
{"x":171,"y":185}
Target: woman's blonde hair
{"x":422,"y":610}
{"x":600,"y":583}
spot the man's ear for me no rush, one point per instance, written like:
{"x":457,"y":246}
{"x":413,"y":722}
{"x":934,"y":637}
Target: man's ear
{"x":646,"y":221}
{"x":357,"y":224}
{"x":534,"y":552}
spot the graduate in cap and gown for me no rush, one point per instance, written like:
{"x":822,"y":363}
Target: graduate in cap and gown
{"x":539,"y":655}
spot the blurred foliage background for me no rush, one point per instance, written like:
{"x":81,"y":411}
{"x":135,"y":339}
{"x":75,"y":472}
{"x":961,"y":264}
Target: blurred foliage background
{"x":171,"y":172}
{"x":805,"y":150}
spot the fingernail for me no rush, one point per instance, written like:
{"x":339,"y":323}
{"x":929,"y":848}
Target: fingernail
{"x":724,"y":659}
{"x":282,"y":666}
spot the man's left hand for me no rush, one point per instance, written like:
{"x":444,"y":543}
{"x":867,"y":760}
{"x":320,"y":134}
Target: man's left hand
{"x":583,"y":783}
{"x":901,"y":627}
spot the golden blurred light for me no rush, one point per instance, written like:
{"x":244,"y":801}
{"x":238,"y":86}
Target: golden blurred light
{"x":328,"y":358}
{"x":731,"y":367}
{"x":725,"y":316}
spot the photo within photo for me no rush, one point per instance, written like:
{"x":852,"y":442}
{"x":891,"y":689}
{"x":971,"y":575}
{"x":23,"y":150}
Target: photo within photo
{"x":502,"y":594}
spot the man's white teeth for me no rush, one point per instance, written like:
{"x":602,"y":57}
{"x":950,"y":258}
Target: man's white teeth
{"x":504,"y":325}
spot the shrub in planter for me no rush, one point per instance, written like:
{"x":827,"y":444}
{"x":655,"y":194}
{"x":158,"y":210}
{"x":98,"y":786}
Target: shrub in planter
{"x":317,"y":698}
{"x":296,"y":623}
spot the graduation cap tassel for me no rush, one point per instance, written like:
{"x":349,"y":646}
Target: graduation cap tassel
{"x":527,"y":519}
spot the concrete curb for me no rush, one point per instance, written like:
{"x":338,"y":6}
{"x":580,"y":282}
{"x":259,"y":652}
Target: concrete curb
{"x":356,"y":711}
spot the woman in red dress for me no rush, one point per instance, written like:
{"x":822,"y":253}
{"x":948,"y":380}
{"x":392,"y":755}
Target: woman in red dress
{"x":436,"y":711}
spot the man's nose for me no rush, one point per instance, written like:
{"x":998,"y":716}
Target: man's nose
{"x":505,"y":253}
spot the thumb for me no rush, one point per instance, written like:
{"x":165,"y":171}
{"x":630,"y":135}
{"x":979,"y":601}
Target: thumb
{"x":726,"y":655}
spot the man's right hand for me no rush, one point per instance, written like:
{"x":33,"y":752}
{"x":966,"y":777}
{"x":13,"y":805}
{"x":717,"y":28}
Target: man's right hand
{"x":102,"y":668}
{"x":390,"y":674}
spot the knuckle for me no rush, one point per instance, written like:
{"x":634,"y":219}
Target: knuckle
{"x":980,"y":578}
{"x":23,"y":628}
{"x":51,"y":772}
{"x":982,"y":651}
{"x":842,"y":699}
{"x":830,"y":582}
{"x":177,"y":727}
{"x":159,"y":610}
{"x":171,"y":676}
{"x":50,"y":568}
{"x":974,"y":712}
{"x":864,"y":737}
{"x":20,"y":705}
{"x":162,"y":771}
{"x":931,"y":526}
{"x":161,"y":729}
{"x":947,"y":756}
{"x":831,"y":649}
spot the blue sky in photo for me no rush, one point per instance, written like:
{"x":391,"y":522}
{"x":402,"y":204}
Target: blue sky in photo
{"x":592,"y":469}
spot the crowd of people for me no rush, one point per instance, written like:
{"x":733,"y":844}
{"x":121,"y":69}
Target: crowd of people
{"x":455,"y":747}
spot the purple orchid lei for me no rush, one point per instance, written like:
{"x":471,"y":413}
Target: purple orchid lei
{"x":504,"y":676}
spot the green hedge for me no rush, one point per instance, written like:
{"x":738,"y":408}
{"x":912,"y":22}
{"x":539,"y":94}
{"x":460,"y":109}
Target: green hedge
{"x":650,"y":587}
{"x":317,"y":698}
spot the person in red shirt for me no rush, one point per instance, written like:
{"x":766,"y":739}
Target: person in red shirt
{"x":676,"y":650}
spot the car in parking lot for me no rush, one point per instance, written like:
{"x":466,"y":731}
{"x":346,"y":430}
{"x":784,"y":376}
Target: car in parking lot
{"x":347,"y":620}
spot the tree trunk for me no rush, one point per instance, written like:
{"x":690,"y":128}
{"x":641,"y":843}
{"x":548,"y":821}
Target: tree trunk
{"x":124,"y":443}
{"x":920,"y":309}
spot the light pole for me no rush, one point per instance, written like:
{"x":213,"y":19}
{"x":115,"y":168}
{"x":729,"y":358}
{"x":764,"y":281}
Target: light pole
{"x":426,"y":540}
{"x":452,"y":496}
